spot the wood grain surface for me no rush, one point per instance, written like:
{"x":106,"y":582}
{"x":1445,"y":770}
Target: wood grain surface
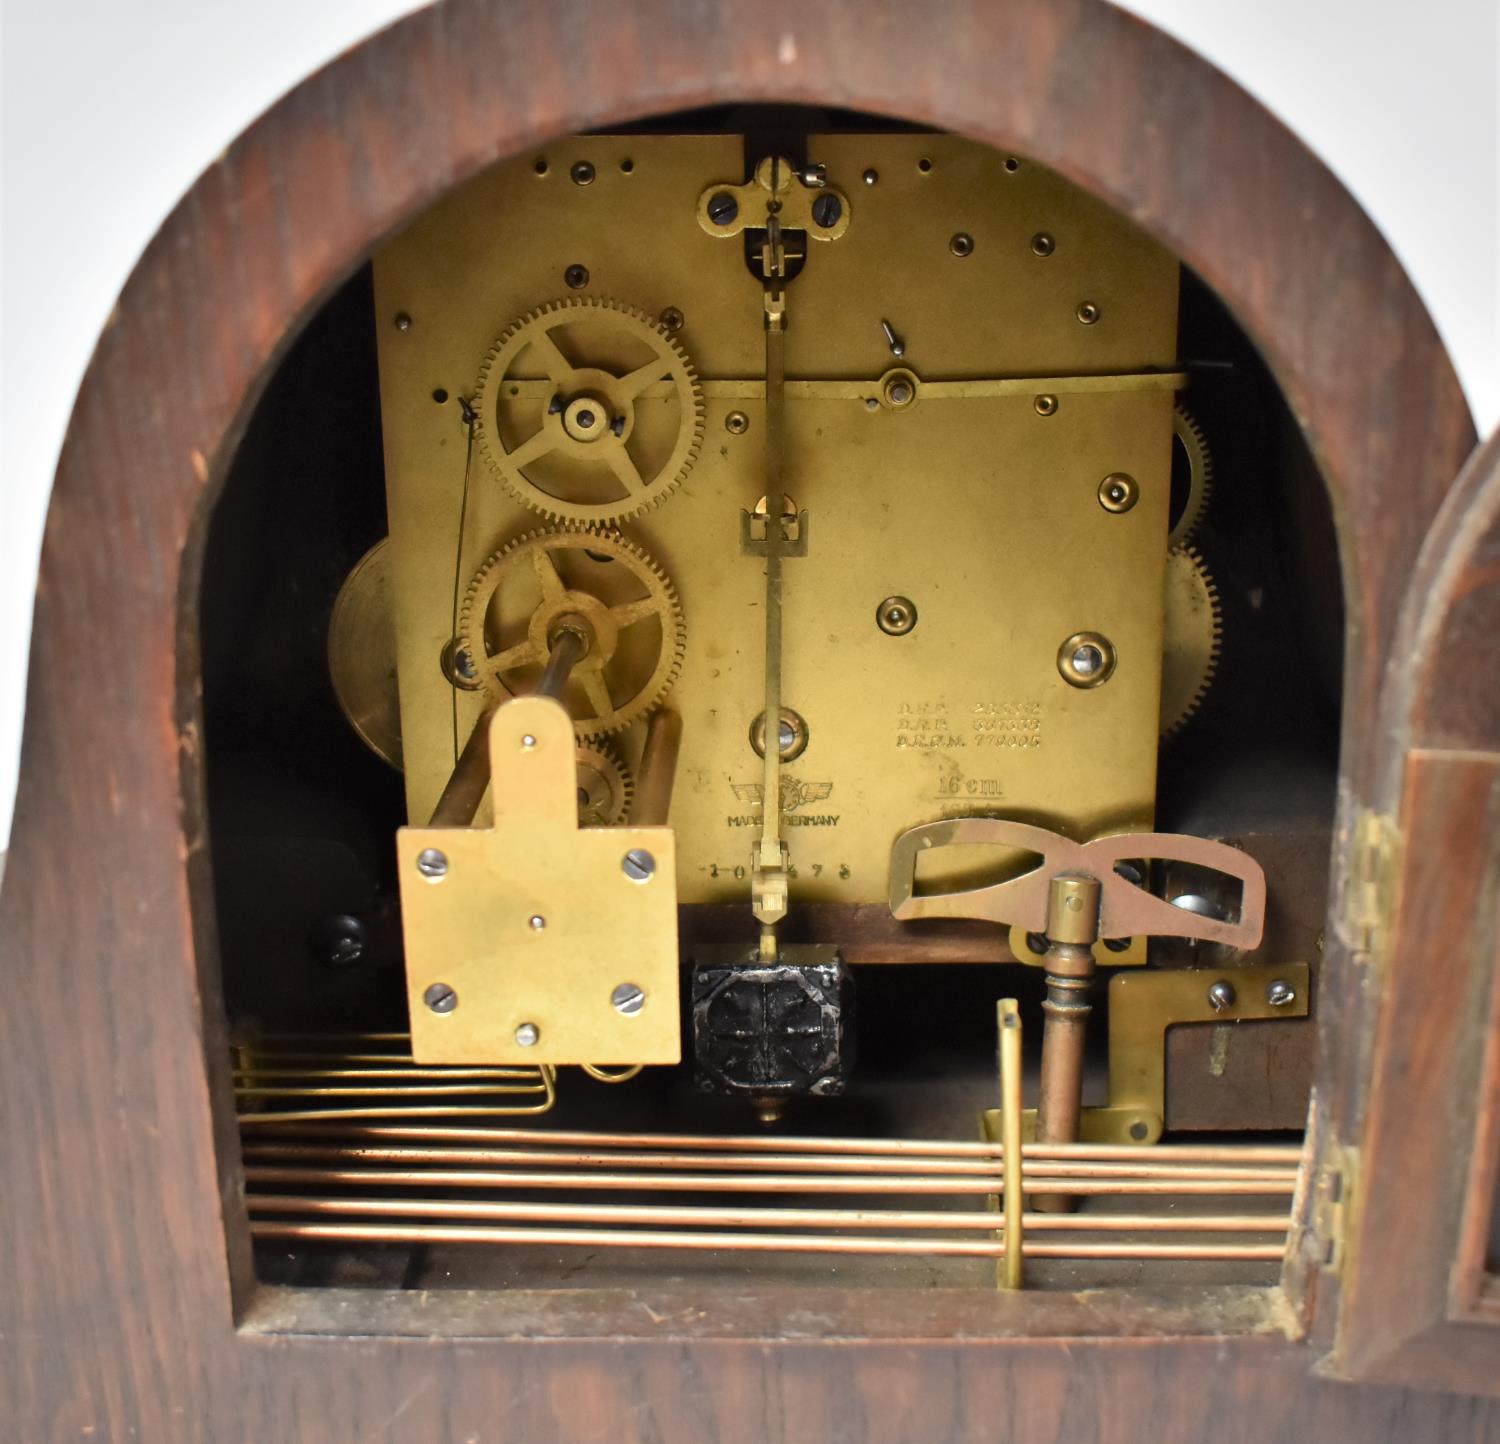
{"x":118,"y":1171}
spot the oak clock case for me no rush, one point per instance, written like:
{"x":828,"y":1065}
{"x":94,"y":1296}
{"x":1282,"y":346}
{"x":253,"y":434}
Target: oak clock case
{"x":518,"y":959}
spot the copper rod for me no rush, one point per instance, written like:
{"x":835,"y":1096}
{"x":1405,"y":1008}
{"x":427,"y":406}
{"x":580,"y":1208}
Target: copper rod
{"x":424,"y":1090}
{"x":469,"y":780}
{"x":768,"y":1217}
{"x":404,"y":1110}
{"x":252,"y":1070}
{"x":653,"y":794}
{"x":1290,"y":1154}
{"x":748,"y":1242}
{"x":793,"y":1163}
{"x":745,"y":1183}
{"x":567,"y":647}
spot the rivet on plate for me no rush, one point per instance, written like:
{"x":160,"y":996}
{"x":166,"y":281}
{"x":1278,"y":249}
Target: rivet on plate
{"x":582,"y":173}
{"x":1118,"y":492}
{"x":1042,"y":244}
{"x":736,"y":423}
{"x":896,"y":616}
{"x":1045,"y":405}
{"x":527,"y":1035}
{"x":961,"y":243}
{"x":1086,"y":659}
{"x":1088,"y":312}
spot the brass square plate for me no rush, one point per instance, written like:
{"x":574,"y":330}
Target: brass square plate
{"x":535,"y":925}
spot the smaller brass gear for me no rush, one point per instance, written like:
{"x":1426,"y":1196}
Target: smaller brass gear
{"x":605,"y":786}
{"x":1191,"y":635}
{"x":1200,"y":475}
{"x":584,"y":443}
{"x":518,"y":598}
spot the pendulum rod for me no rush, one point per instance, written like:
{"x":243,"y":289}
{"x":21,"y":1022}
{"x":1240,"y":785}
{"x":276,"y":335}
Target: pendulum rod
{"x":768,"y":885}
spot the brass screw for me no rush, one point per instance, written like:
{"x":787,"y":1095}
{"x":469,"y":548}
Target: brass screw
{"x":440,"y":998}
{"x":1042,"y":244}
{"x":1118,"y":492}
{"x":1086,"y":659}
{"x":1088,"y":312}
{"x":896,"y":616}
{"x":961,"y":243}
{"x":582,"y":173}
{"x":671,"y":319}
{"x":736,"y":423}
{"x":1045,"y":405}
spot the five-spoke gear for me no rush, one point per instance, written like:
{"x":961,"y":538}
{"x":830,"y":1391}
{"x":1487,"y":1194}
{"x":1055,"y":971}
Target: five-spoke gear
{"x":590,"y":581}
{"x":597,"y":441}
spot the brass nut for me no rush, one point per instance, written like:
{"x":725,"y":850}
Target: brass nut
{"x":1118,"y":492}
{"x":896,"y":616}
{"x":1086,"y":659}
{"x":899,"y":389}
{"x":736,"y":423}
{"x":1045,"y":405}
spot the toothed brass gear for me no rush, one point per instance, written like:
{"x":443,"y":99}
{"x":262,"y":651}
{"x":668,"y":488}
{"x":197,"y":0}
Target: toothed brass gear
{"x":527,"y":589}
{"x":1190,"y":637}
{"x":605,"y":786}
{"x":1200,"y":474}
{"x":588,"y":444}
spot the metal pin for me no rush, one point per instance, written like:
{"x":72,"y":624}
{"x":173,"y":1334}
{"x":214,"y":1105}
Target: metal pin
{"x":897,"y":345}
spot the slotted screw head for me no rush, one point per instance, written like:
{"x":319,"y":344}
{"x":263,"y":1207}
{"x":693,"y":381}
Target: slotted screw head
{"x":638,"y":865}
{"x":1221,"y":995}
{"x":440,"y":998}
{"x":1280,"y":993}
{"x":628,"y":998}
{"x":432,"y":863}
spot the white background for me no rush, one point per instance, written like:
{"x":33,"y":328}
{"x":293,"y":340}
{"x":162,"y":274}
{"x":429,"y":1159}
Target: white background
{"x":110,"y":109}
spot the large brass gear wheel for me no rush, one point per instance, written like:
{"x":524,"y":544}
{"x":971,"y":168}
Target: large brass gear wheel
{"x":527,"y":588}
{"x":1191,"y":634}
{"x":592,"y":443}
{"x":1198,"y":475}
{"x":605,"y":786}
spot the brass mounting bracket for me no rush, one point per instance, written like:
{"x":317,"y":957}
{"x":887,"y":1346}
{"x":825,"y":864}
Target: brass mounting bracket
{"x":1142,"y":1006}
{"x":776,"y":183}
{"x":537,"y":941}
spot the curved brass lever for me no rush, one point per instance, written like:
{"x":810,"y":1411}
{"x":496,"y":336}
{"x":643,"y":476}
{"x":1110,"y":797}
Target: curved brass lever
{"x":1125,"y":910}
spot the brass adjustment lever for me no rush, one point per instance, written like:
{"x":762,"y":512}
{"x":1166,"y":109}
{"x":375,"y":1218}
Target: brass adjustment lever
{"x":1074,"y":895}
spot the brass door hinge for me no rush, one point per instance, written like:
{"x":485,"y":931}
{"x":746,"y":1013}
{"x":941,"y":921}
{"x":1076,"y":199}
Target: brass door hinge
{"x":1336,"y":1186}
{"x":1370,"y":885}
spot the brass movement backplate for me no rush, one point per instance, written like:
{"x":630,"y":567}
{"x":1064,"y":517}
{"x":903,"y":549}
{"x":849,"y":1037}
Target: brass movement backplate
{"x":537,"y":941}
{"x":976,"y":499}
